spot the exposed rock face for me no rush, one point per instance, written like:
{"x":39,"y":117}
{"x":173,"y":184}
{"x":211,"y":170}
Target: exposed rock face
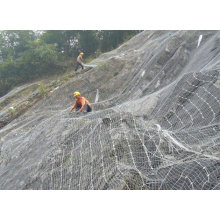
{"x":155,"y":126}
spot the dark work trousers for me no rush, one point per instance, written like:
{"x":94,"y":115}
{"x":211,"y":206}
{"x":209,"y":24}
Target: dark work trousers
{"x":77,"y":66}
{"x":87,"y":108}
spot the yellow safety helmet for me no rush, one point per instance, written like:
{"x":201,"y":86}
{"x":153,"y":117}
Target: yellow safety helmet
{"x":81,"y":53}
{"x":76,"y":94}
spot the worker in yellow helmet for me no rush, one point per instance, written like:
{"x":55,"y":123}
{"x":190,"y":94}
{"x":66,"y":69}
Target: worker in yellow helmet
{"x":79,"y":61}
{"x":81,"y":103}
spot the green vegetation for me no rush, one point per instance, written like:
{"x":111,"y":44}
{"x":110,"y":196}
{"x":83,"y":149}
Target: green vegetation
{"x":28,"y":55}
{"x":12,"y":110}
{"x":43,"y":89}
{"x":64,"y":79}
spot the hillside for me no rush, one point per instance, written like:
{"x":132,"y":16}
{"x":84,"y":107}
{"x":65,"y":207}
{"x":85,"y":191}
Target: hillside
{"x":155,"y":123}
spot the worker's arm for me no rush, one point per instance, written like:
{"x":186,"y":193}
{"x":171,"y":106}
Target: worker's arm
{"x":83,"y":102}
{"x":73,"y":106}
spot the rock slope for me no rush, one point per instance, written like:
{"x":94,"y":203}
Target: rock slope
{"x":155,"y":123}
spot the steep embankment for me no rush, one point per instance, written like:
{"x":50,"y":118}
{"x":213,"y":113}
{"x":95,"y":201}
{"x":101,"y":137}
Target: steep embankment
{"x":21,"y":98}
{"x":155,"y":123}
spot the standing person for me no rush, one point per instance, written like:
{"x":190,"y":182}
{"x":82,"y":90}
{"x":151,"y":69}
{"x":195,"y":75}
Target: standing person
{"x":81,"y":103}
{"x":79,"y":61}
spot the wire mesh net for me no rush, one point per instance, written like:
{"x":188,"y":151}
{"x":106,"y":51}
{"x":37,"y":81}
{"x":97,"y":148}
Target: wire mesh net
{"x":158,"y":129}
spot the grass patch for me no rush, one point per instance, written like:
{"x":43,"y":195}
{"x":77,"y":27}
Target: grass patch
{"x":55,"y":83}
{"x":43,"y":89}
{"x":64,"y":79}
{"x":12,"y":111}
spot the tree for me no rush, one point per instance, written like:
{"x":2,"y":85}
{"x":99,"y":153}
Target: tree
{"x":64,"y":40}
{"x":14,"y":43}
{"x":111,"y":39}
{"x":39,"y":59}
{"x":88,"y":42}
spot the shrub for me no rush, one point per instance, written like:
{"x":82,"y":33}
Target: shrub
{"x":43,"y":89}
